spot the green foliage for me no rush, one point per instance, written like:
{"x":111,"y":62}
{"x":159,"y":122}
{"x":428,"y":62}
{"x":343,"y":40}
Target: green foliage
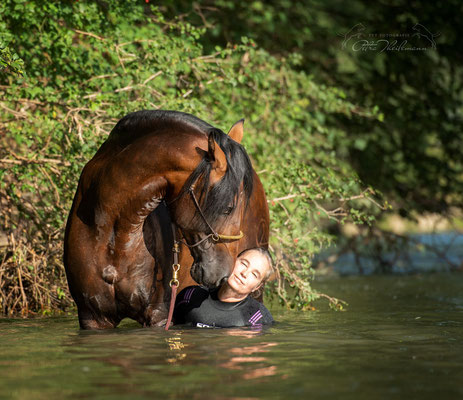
{"x":90,"y":63}
{"x":10,"y":60}
{"x":415,"y":156}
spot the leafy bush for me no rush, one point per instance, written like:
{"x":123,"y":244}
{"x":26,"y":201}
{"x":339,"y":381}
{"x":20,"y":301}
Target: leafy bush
{"x":89,"y":63}
{"x":415,"y":157}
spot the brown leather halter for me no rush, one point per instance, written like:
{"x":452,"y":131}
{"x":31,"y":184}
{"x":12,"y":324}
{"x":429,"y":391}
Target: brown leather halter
{"x":213,"y":235}
{"x":216,"y":237}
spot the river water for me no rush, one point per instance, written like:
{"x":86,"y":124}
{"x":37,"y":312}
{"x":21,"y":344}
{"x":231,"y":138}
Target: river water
{"x":400,"y":338}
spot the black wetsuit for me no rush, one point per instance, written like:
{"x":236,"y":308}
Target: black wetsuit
{"x":200,"y":307}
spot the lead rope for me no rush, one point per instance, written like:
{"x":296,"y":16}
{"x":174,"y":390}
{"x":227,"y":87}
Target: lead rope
{"x":174,"y":283}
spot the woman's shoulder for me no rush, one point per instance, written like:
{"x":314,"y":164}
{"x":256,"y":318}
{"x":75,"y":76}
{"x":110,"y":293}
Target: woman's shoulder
{"x":192,"y":292}
{"x":189,"y":298}
{"x":259,"y":313}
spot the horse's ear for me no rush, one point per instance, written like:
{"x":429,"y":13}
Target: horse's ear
{"x":236,"y":131}
{"x":216,"y":155}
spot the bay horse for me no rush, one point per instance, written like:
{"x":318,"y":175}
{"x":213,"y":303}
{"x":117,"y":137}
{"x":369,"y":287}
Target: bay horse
{"x":157,"y":168}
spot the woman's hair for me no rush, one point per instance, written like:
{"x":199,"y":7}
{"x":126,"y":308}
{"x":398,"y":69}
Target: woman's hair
{"x":266,"y":253}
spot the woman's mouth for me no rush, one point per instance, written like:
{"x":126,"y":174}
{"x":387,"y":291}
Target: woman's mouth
{"x":239,"y":280}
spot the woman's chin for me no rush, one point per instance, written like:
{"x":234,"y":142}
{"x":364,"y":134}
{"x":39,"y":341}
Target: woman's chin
{"x":234,"y":285}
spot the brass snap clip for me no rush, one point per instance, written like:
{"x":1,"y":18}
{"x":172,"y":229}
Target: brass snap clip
{"x":174,"y":280}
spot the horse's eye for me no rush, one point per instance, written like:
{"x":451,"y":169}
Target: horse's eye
{"x":229,"y":210}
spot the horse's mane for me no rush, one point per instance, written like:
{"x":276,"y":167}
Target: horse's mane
{"x":214,"y":201}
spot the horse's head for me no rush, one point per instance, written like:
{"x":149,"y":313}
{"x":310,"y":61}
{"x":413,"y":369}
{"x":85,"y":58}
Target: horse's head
{"x":211,"y":204}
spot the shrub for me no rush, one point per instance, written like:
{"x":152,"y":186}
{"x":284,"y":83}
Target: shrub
{"x":89,"y":63}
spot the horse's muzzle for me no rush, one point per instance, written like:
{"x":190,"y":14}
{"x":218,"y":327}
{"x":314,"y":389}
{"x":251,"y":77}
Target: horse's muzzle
{"x":206,"y":277}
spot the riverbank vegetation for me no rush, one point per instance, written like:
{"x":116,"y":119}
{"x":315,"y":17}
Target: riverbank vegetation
{"x":310,"y":128}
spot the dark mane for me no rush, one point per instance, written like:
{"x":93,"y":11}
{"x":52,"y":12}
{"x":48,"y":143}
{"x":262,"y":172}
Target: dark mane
{"x":216,"y":200}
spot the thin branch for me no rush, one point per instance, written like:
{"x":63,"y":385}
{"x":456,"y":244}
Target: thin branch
{"x":100,"y":77}
{"x":187,"y":93}
{"x":89,"y":34}
{"x":289,"y":196}
{"x":15,"y":113}
{"x":39,"y":161}
{"x":58,"y":199}
{"x":208,"y":57}
{"x":125,"y":89}
{"x":152,"y":77}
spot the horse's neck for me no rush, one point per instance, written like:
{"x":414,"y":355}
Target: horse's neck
{"x":139,"y":175}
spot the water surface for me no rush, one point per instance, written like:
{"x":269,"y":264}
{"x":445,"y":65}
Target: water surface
{"x":401,"y":338}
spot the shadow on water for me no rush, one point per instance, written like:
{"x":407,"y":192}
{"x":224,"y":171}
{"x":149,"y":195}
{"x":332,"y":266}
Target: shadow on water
{"x":401,"y":337}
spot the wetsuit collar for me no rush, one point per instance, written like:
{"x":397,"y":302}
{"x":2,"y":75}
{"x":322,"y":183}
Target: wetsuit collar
{"x":223,"y":305}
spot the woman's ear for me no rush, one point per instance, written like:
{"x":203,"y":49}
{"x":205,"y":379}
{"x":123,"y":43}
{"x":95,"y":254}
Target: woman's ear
{"x":257,"y":292}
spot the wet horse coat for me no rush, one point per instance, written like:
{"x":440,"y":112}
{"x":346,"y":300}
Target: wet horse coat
{"x":118,"y":238}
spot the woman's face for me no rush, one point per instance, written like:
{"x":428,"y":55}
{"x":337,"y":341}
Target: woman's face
{"x":249,"y":271}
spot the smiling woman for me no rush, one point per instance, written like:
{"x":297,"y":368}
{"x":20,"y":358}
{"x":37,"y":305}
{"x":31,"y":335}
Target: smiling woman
{"x":230,"y":305}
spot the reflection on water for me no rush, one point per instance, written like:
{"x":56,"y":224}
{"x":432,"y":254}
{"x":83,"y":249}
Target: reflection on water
{"x":401,"y":337}
{"x":256,"y":354}
{"x":176,"y":346}
{"x":237,"y":358}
